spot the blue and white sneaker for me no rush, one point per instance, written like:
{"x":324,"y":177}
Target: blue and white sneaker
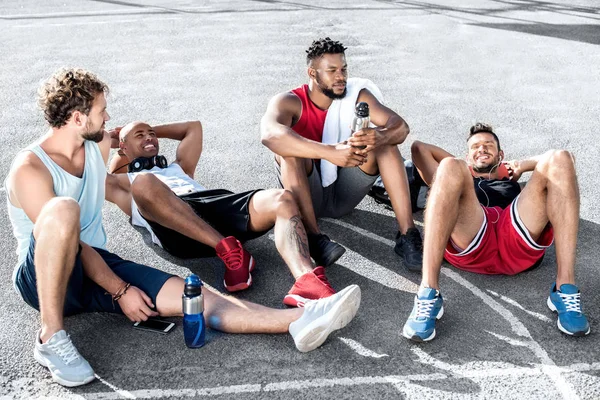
{"x":428,"y":307}
{"x":567,"y":303}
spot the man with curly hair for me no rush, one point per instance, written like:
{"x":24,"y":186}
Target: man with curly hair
{"x":330,"y":169}
{"x":56,"y":189}
{"x":480,"y":221}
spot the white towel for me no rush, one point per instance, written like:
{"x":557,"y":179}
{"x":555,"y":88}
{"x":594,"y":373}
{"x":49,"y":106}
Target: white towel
{"x":338,"y":121}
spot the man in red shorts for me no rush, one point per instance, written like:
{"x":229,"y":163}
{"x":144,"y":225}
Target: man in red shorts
{"x":480,"y":221}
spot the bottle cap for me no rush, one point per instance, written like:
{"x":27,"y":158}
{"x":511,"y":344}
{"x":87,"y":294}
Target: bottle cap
{"x":362,"y":109}
{"x":193,"y":286}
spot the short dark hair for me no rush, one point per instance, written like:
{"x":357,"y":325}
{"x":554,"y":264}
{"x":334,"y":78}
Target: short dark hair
{"x":323,"y":46}
{"x":481,"y":127}
{"x":66,"y":91}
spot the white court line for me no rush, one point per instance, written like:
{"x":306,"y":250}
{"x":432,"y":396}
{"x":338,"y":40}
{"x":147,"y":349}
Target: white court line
{"x":360,"y":349}
{"x":470,"y":370}
{"x":110,"y":21}
{"x":269,"y":387}
{"x":514,"y":303}
{"x":548,"y":365}
{"x":121,"y":392}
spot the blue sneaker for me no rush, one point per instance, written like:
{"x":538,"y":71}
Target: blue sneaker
{"x":428,"y":307}
{"x":567,"y":303}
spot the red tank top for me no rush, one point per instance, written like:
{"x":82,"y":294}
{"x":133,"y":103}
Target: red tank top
{"x":312,"y":120}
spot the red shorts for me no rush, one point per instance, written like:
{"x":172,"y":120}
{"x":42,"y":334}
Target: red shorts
{"x":503,"y":245}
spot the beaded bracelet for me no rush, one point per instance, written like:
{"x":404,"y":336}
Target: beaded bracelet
{"x":119,"y":294}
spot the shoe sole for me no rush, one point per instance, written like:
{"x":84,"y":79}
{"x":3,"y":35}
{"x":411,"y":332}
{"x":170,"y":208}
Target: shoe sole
{"x":57,"y":378}
{"x":242,"y":285}
{"x":338,"y":317}
{"x":293,"y":300}
{"x":560,"y":327}
{"x":419,"y":339}
{"x":239,"y":286}
{"x":410,"y":267}
{"x":332,"y":256}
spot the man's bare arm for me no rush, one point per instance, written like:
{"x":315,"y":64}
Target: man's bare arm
{"x":390,"y":129}
{"x":189,"y":150}
{"x":516,"y":168}
{"x":118,"y":191}
{"x":135,"y":304}
{"x":427,"y":157}
{"x":30,"y":184}
{"x":277,"y":134}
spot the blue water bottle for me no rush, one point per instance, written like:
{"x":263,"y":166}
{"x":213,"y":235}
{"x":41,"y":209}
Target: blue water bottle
{"x":193,"y":312}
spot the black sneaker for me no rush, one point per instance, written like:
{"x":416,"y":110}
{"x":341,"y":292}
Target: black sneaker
{"x":415,"y":182}
{"x":410,"y":248}
{"x":379,"y":194}
{"x":323,"y":250}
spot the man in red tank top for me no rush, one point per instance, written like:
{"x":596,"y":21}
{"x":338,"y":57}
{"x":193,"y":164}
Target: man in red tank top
{"x":292,"y":128}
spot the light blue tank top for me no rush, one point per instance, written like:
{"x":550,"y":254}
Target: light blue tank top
{"x":88,"y":191}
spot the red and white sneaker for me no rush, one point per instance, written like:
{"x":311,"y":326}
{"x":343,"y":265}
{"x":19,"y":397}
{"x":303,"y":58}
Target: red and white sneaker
{"x":311,"y":286}
{"x":238,"y":264}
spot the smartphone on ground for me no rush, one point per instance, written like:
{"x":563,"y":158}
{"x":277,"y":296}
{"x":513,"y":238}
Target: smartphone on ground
{"x":155,"y":325}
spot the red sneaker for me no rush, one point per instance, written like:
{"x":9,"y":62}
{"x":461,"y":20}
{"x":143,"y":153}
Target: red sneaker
{"x":238,"y":264}
{"x":311,"y":286}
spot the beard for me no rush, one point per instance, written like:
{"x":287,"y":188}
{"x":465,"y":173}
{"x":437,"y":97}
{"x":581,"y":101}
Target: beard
{"x":329,"y":92}
{"x":95,"y":136}
{"x":488,"y":168}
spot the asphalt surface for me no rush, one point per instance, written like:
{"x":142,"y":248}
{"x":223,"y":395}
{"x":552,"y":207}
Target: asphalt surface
{"x":530,"y":68}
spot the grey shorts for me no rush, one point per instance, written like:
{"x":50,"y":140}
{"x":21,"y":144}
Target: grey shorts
{"x":342,"y":196}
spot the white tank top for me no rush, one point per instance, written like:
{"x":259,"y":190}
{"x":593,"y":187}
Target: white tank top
{"x":88,"y":191}
{"x":172,"y":176}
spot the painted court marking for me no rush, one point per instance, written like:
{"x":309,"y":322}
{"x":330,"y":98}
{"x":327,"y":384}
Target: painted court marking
{"x":565,"y":388}
{"x":360,"y":349}
{"x":514,"y":303}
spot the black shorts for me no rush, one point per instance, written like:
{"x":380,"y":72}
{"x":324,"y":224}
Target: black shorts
{"x":225,"y":211}
{"x":83,"y":294}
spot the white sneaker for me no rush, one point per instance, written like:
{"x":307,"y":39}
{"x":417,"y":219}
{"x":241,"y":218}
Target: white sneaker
{"x":63,"y":360}
{"x":323,"y":316}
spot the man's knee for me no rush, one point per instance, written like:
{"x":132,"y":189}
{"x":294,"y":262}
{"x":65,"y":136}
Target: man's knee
{"x":60,"y":216}
{"x":283,"y":200}
{"x":416,"y":148}
{"x":143,"y":187}
{"x":558,"y":160}
{"x":452,"y":173}
{"x":294,"y":163}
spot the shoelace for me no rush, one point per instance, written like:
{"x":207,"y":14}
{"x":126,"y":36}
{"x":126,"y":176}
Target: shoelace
{"x":233,"y":256}
{"x":323,"y":279}
{"x":65,"y":350}
{"x":424,"y":308}
{"x":572,"y":301}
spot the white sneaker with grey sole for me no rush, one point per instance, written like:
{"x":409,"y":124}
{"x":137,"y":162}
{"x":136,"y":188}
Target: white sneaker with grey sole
{"x":323,"y":316}
{"x":63,"y":360}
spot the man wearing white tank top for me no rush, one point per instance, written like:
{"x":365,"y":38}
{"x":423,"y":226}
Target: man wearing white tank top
{"x":189,"y":221}
{"x":55,"y":191}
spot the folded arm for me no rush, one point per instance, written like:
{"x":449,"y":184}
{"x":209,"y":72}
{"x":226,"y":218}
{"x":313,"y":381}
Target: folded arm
{"x":427,"y":157}
{"x":189,"y":150}
{"x":390,"y":129}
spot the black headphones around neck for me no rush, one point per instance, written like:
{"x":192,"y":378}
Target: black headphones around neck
{"x":142,"y":163}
